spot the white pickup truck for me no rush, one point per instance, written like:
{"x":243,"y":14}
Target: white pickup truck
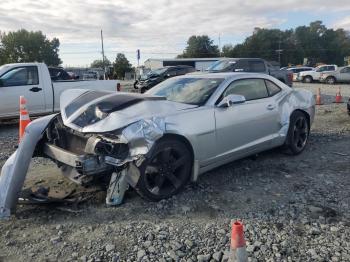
{"x":314,"y":75}
{"x":33,"y":81}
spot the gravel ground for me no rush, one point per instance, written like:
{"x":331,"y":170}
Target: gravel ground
{"x":294,"y":208}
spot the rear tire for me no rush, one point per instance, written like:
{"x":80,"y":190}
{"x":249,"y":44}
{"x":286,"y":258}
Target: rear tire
{"x":298,"y":133}
{"x":308,"y":79}
{"x":165,"y":172}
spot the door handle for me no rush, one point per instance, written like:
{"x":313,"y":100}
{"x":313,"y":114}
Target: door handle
{"x":270,"y":107}
{"x":35,"y":89}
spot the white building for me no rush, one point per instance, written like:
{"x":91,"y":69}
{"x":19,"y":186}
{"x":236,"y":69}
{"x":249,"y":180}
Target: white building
{"x":198,"y":63}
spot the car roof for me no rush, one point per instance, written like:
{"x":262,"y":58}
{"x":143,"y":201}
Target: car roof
{"x":178,"y":66}
{"x":225,"y":75}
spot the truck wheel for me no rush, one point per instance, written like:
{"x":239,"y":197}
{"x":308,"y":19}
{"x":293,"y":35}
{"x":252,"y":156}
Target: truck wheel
{"x":330,"y":80}
{"x":307,"y":79}
{"x":298,"y":133}
{"x":166,"y":171}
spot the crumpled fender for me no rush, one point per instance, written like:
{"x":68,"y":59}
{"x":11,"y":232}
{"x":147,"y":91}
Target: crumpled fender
{"x":298,"y":99}
{"x":15,"y":169}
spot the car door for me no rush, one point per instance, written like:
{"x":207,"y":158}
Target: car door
{"x":249,"y":126}
{"x":344,"y":75}
{"x":21,"y":81}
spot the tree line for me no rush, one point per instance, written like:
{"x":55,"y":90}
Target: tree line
{"x":120,"y":66}
{"x":25,"y":46}
{"x":315,"y":42}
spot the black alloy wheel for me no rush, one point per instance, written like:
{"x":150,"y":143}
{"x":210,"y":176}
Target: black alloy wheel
{"x":298,"y":132}
{"x":166,"y":171}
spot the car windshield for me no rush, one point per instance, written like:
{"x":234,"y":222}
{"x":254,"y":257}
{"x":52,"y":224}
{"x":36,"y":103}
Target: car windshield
{"x":195,"y":91}
{"x":221,"y":65}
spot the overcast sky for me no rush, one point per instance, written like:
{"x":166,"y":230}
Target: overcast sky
{"x":159,"y":28}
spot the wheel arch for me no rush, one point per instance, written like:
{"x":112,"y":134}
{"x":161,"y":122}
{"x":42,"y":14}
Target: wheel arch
{"x":335,"y":79}
{"x":181,"y":138}
{"x":312,"y":78}
{"x":306,"y":115}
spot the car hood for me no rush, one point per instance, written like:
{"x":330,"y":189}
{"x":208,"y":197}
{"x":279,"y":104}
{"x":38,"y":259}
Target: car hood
{"x":103,"y":111}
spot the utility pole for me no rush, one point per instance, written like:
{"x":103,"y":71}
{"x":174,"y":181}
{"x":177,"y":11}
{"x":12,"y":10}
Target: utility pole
{"x":279,"y":51}
{"x":103,"y":57}
{"x":219,"y":44}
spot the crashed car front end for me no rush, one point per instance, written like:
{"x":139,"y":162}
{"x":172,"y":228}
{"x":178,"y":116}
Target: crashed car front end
{"x":81,"y":148}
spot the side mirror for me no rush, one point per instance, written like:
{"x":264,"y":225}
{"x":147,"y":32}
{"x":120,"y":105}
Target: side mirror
{"x":231,"y":100}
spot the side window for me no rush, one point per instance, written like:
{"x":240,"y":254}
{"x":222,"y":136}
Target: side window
{"x":20,"y":76}
{"x":331,"y":68}
{"x":181,"y":71}
{"x":345,"y":70}
{"x":241,"y":66}
{"x":251,"y":89}
{"x":272,"y":88}
{"x":171,"y":72}
{"x":257,"y":66}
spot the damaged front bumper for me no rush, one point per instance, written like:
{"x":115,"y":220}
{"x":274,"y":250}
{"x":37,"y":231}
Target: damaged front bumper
{"x":14,"y":171}
{"x":80,"y":158}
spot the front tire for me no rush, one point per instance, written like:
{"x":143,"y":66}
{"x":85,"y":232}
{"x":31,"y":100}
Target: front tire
{"x":308,"y":79}
{"x":298,"y":132}
{"x":165,"y":172}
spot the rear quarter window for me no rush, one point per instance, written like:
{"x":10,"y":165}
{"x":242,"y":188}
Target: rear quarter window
{"x":272,"y":88}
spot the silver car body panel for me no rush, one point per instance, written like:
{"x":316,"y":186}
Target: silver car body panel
{"x":216,"y":135}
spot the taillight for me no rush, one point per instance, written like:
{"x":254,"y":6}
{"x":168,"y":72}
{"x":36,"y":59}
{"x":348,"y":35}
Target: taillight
{"x":119,"y":88}
{"x":290,"y":76}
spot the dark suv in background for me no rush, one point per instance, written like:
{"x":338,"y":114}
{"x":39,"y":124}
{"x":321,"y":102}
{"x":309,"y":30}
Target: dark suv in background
{"x":154,"y":77}
{"x":251,"y":65}
{"x":59,"y":74}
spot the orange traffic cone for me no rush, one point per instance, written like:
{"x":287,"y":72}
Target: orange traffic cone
{"x":318,"y":97}
{"x":338,"y":97}
{"x":238,"y":251}
{"x":24,"y":119}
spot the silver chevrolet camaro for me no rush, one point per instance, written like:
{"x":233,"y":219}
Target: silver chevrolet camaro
{"x":158,"y":141}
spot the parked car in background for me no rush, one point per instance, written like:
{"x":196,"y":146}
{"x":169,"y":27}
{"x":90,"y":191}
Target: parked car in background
{"x":154,"y":77}
{"x":159,"y":141}
{"x":296,"y":70}
{"x":59,"y":74}
{"x":341,"y":75}
{"x":314,"y":75}
{"x":251,"y":65}
{"x":91,"y":75}
{"x":33,"y":81}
